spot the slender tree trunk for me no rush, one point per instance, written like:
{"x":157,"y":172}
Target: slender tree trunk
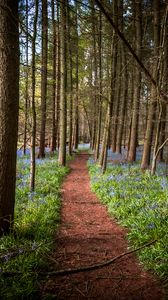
{"x":153,"y":102}
{"x":33,"y":106}
{"x":71,"y":85}
{"x":165,"y":87}
{"x":137,"y":86}
{"x":116,"y":105}
{"x":95,"y":77}
{"x":26,"y":85}
{"x":9,"y":106}
{"x":43,"y":78}
{"x":58,"y":82}
{"x":97,"y":150}
{"x":62,"y":149}
{"x":123,"y":104}
{"x":76,"y":125}
{"x":54,"y":57}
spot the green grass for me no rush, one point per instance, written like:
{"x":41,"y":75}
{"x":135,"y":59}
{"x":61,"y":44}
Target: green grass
{"x":139,"y":202}
{"x":36,"y":220}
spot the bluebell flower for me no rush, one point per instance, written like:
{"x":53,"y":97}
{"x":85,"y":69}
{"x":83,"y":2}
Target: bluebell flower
{"x":151,"y":225}
{"x":42,"y":201}
{"x":164,"y":183}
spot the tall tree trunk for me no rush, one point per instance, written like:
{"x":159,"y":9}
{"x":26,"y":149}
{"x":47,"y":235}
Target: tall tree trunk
{"x":76,"y":125}
{"x":43,"y":78}
{"x":54,"y":57}
{"x":165,"y":87}
{"x":137,"y":86}
{"x":9,"y":106}
{"x":153,"y":102}
{"x":71,"y":85}
{"x":26,"y":85}
{"x":58,"y":75}
{"x":97,"y":150}
{"x":116,"y":104}
{"x":63,"y":121}
{"x":33,"y":106}
{"x":123,"y":103}
{"x":107,"y":125}
{"x":94,"y":77}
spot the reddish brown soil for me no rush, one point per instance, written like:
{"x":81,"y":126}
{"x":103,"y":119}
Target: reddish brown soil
{"x":88,"y":235}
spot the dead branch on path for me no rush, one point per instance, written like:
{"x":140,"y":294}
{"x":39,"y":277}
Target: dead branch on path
{"x":86,"y":268}
{"x":95,"y":266}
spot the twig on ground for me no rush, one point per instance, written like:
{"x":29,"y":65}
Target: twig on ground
{"x":86,"y":268}
{"x":95,"y":266}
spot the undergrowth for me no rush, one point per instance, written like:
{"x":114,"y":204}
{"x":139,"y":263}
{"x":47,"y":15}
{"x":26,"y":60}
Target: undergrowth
{"x":139,"y":202}
{"x":36,"y":219}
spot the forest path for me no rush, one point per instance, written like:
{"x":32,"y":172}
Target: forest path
{"x":88,"y":235}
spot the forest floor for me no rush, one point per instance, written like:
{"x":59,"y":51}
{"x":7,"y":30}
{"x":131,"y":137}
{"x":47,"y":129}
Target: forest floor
{"x":88,"y":235}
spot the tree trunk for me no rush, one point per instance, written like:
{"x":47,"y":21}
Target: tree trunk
{"x":54,"y":57}
{"x":26,"y":85}
{"x":63,"y":121}
{"x":33,"y":106}
{"x":76,"y":125}
{"x":97,"y":150}
{"x":9,"y":106}
{"x":153,"y":102}
{"x":58,"y":72}
{"x":71,"y":85}
{"x":123,"y":103}
{"x":137,"y":86}
{"x":43,"y":78}
{"x":94,"y":70}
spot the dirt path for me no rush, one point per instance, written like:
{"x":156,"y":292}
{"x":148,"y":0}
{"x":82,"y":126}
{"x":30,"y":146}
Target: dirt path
{"x":88,"y":235}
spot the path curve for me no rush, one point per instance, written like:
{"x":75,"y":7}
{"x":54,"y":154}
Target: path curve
{"x":88,"y":235}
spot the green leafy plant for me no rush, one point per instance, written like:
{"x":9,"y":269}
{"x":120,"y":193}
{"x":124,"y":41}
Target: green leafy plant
{"x":139,"y":202}
{"x":37,"y":217}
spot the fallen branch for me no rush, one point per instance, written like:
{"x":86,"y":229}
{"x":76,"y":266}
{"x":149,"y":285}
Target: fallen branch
{"x":82,"y":269}
{"x":96,"y":266}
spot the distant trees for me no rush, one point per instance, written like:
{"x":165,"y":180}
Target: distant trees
{"x":89,"y":72}
{"x":9,"y":105}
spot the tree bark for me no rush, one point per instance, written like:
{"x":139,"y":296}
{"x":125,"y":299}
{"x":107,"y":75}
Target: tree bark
{"x":26,"y":84}
{"x":33,"y":106}
{"x":63,"y":83}
{"x":71,"y":85}
{"x":43,"y":78}
{"x":76,"y":125}
{"x":97,"y":150}
{"x":153,"y":100}
{"x":54,"y":57}
{"x":137,"y":86}
{"x":9,"y":106}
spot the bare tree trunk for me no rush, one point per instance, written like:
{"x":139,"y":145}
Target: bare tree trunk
{"x":9,"y":107}
{"x":63,"y":118}
{"x":137,"y":86}
{"x":33,"y":106}
{"x":153,"y":101}
{"x":58,"y":72}
{"x":43,"y":78}
{"x":26,"y":85}
{"x":76,"y":123}
{"x":95,"y":77}
{"x":70,"y":83}
{"x":123,"y":104}
{"x":54,"y":57}
{"x":97,"y":150}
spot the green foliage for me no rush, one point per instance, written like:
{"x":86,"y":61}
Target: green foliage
{"x":139,"y":201}
{"x":36,"y":219}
